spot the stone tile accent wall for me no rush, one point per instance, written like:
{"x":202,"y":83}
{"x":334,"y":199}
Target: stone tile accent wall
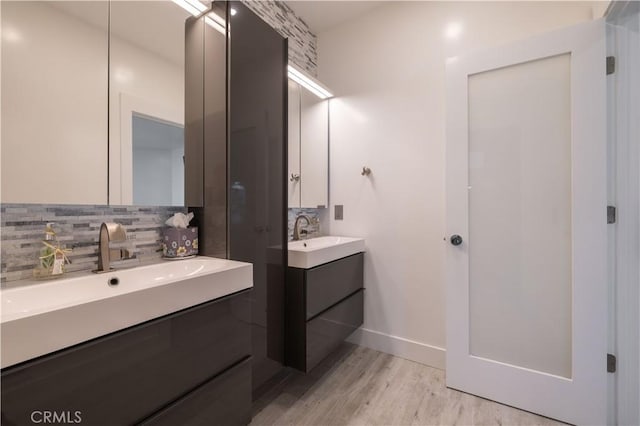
{"x":77,"y":227}
{"x":302,"y":42}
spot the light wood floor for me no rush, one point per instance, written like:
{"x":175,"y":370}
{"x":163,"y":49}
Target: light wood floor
{"x":360,"y":386}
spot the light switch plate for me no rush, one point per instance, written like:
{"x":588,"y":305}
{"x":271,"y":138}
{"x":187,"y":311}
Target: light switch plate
{"x":338,"y":214}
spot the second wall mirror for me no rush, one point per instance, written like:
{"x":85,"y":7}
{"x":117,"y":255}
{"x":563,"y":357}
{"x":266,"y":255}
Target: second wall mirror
{"x":308,"y":134}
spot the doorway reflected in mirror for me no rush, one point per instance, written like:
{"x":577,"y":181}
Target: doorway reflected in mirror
{"x":158,"y":161}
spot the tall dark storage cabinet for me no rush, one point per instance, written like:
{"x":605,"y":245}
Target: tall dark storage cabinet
{"x":257,"y":183}
{"x":235,"y":160}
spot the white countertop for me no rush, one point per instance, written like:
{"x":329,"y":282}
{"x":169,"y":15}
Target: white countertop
{"x":316,"y":251}
{"x":40,"y":317}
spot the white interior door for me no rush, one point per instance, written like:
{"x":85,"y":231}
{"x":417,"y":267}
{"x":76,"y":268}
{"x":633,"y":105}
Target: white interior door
{"x":526,"y":194}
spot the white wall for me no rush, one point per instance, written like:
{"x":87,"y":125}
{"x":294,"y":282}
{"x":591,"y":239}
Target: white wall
{"x":387,"y":69}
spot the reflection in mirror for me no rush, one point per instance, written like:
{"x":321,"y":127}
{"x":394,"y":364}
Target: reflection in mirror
{"x":54,"y":102}
{"x":293,"y":124}
{"x":308,"y":124}
{"x":146,"y":103}
{"x":158,"y":162}
{"x":314,"y":150}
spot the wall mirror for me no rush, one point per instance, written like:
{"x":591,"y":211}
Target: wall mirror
{"x":146,"y":103}
{"x":308,"y":134}
{"x":93,"y":102}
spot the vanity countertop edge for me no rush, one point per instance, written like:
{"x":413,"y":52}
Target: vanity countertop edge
{"x":42,"y":333}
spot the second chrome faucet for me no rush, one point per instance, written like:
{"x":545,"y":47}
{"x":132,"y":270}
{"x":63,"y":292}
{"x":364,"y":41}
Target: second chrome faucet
{"x":297,"y":232}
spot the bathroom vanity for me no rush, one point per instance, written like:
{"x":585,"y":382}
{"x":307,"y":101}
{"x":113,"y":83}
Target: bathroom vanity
{"x":324,"y":297}
{"x":189,"y":364}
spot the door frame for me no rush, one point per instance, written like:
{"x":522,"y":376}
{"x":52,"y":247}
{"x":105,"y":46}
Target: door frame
{"x":624,"y":185}
{"x":583,"y":398}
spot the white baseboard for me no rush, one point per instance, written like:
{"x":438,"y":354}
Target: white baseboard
{"x":432,"y":356}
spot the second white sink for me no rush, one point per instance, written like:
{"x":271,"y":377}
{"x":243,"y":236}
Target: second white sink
{"x":306,"y":254}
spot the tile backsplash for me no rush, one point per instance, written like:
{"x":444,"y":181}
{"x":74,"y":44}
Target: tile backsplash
{"x":77,"y":227}
{"x":313,"y":230}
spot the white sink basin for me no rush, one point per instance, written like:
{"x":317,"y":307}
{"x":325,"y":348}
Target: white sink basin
{"x":316,"y":251}
{"x":42,"y":317}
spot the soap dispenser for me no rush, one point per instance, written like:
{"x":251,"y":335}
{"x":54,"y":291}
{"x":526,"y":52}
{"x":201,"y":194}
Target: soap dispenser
{"x":52,"y":256}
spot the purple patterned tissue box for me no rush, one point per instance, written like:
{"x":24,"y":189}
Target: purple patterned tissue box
{"x":177,"y":242}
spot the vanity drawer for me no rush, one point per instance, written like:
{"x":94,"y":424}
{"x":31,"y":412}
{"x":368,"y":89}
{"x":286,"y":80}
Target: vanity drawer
{"x":329,"y":283}
{"x":128,"y":375}
{"x":224,"y":400}
{"x":326,"y":331}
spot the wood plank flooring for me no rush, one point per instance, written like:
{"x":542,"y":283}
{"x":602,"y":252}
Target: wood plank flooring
{"x":360,"y":386}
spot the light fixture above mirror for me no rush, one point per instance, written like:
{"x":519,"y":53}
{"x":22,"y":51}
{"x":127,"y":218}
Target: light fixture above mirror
{"x":194,"y":7}
{"x":308,"y":82}
{"x":217,"y":22}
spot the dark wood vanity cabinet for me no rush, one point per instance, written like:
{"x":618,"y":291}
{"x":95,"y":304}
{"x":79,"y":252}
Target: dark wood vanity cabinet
{"x":221,"y":401}
{"x":189,"y":367}
{"x":323,"y":306}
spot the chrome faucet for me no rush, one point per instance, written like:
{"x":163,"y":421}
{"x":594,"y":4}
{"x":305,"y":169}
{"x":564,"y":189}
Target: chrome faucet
{"x":112,"y":238}
{"x":296,"y":226}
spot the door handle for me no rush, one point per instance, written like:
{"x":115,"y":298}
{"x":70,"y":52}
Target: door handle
{"x":456,"y":240}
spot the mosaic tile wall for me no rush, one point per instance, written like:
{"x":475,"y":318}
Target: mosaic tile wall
{"x":77,"y":227}
{"x":302,"y":42}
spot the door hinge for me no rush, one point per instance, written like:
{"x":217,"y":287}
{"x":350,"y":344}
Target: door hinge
{"x":611,"y":64}
{"x":611,"y":214}
{"x":611,"y":363}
